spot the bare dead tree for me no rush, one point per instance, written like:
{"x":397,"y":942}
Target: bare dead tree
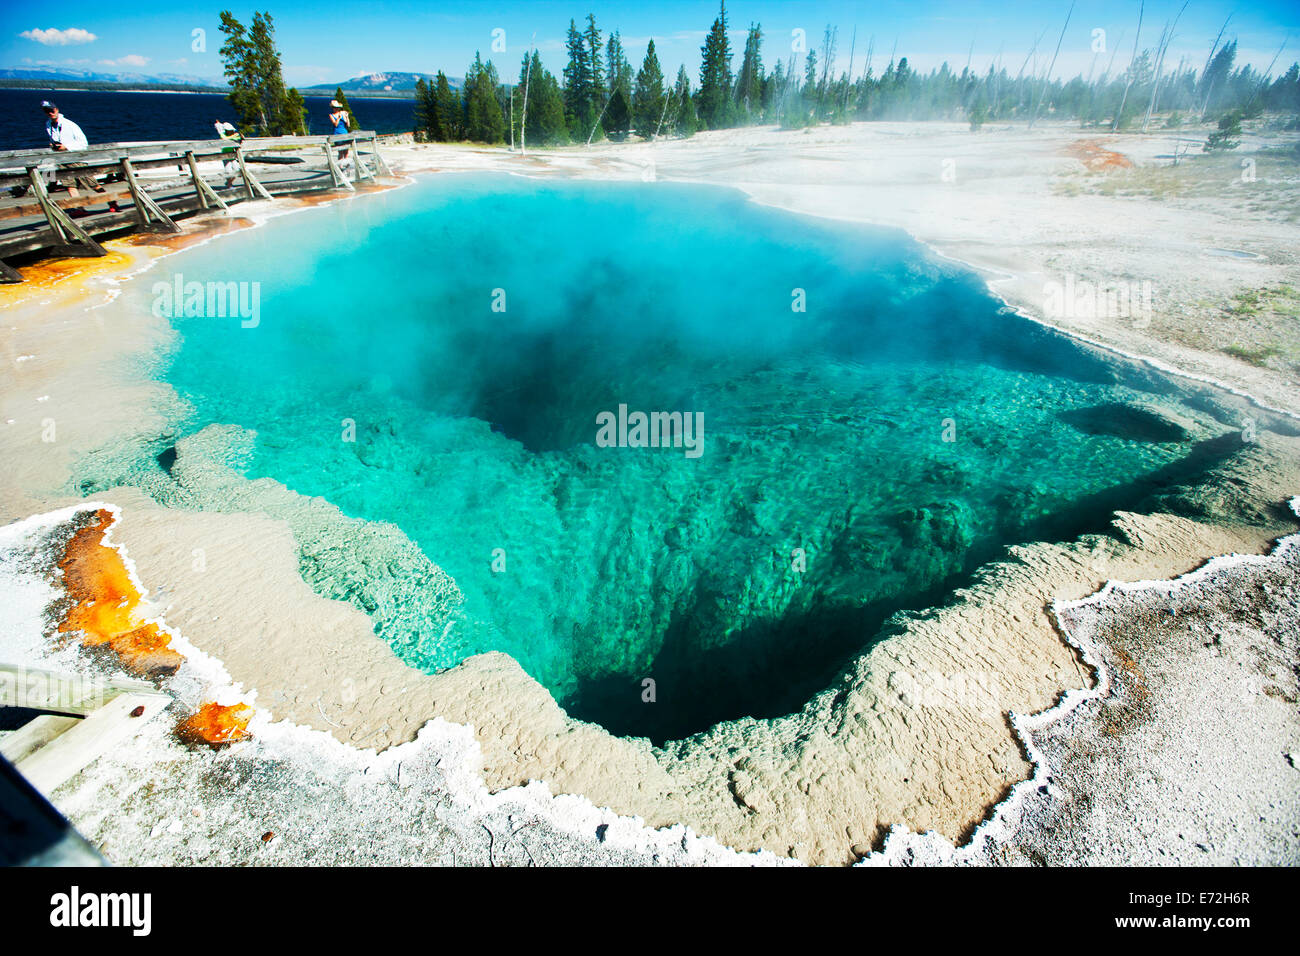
{"x":1166,"y":37}
{"x":1214,"y":47}
{"x":523,"y":123}
{"x":1047,"y":77}
{"x":1133,"y":59}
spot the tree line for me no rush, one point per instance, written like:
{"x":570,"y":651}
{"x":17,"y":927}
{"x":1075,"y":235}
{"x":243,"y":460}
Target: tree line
{"x":600,"y":96}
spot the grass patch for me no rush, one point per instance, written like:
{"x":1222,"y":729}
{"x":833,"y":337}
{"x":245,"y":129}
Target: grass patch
{"x":1258,"y":357}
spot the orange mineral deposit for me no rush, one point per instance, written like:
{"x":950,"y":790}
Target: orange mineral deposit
{"x":107,"y":610}
{"x":216,"y":725}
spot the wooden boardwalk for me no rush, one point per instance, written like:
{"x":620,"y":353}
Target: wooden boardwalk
{"x":153,"y":184}
{"x":63,"y":723}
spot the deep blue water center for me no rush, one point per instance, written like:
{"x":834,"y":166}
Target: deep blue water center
{"x":857,"y":454}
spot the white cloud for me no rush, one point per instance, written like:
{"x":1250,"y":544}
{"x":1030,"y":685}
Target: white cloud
{"x":131,"y":59}
{"x":53,"y":37}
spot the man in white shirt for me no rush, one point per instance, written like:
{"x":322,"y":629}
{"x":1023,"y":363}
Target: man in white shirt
{"x":66,"y":135}
{"x":63,"y":133}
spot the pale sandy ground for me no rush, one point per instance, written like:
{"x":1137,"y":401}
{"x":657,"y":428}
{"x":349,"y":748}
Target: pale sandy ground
{"x":825,"y":785}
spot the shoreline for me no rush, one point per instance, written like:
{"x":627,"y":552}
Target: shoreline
{"x":537,"y":750}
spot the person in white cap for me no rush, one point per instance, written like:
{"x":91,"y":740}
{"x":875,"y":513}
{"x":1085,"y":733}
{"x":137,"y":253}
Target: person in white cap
{"x":227,"y":131}
{"x":64,"y":136}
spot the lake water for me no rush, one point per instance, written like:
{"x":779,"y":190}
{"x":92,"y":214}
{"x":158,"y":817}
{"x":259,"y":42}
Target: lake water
{"x":119,"y":117}
{"x":874,"y":425}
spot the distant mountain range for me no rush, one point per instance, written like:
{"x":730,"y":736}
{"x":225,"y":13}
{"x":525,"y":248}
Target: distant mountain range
{"x":382,"y":83}
{"x":40,"y":74}
{"x":372,"y":84}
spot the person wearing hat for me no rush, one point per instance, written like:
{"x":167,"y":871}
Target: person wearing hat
{"x":227,"y":131}
{"x":65,"y":135}
{"x":339,"y":120}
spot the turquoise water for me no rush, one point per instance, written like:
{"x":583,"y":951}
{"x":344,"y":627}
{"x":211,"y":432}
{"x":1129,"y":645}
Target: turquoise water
{"x":856,"y":456}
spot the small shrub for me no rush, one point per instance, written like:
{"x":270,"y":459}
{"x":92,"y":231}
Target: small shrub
{"x":1229,"y":127}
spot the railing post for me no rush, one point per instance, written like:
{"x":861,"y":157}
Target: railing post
{"x":42,"y":197}
{"x":336,"y":174}
{"x":201,"y":187}
{"x":380,"y":164}
{"x":251,"y":183}
{"x":59,"y":221}
{"x":145,"y":207}
{"x":198,"y":183}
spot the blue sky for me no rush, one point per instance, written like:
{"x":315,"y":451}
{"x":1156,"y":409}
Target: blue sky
{"x":324,"y":41}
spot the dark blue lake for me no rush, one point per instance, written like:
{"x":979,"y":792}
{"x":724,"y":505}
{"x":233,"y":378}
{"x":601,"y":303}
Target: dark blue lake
{"x":116,"y":116}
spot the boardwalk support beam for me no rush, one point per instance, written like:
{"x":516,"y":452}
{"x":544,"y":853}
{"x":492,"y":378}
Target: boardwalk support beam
{"x":336,"y":174}
{"x":255,"y":188}
{"x":206,"y":194}
{"x":61,"y":224}
{"x":148,"y":212}
{"x":379,"y":160}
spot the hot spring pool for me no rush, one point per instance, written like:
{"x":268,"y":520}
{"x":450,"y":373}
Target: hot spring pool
{"x":438,"y":357}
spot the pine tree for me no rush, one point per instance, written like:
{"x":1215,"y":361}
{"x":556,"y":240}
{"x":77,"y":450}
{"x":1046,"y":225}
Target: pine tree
{"x":577,"y":85}
{"x":596,"y":93}
{"x":685,"y":121}
{"x":241,"y":73}
{"x":279,"y":117}
{"x":426,"y":111}
{"x":293,"y":114}
{"x":251,"y":63}
{"x":618,"y":117}
{"x":1226,"y":136}
{"x":773,"y":90}
{"x":715,"y":75}
{"x":484,"y":122}
{"x":749,"y":81}
{"x":544,"y":124}
{"x":648,"y":96}
{"x":618,"y":72}
{"x":448,"y":126}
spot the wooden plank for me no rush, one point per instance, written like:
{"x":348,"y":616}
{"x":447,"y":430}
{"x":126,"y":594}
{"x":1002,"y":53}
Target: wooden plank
{"x":22,"y":207}
{"x":79,"y":746}
{"x":103,"y":156}
{"x":104,"y":152}
{"x":34,"y":735}
{"x":38,"y":689}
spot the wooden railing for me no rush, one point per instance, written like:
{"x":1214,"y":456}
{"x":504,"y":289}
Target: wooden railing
{"x":33,"y":169}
